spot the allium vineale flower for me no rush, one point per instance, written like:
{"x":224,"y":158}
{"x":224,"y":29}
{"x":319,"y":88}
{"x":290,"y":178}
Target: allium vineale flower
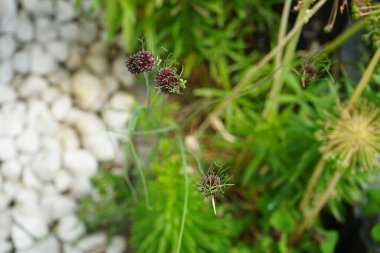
{"x":168,"y":81}
{"x":140,"y":62}
{"x":213,"y":183}
{"x":352,"y":139}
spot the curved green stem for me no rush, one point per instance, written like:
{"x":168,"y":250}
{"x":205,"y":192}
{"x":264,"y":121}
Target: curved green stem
{"x":184,"y":213}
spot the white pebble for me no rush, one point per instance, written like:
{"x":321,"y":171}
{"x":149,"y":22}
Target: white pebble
{"x":61,"y":107}
{"x":46,"y":164}
{"x":7,"y":149}
{"x":7,"y":46}
{"x":70,"y":228}
{"x":32,"y":86}
{"x":28,"y":142}
{"x":7,"y":94}
{"x":59,"y":50}
{"x":25,"y":28}
{"x":62,"y":181}
{"x":80,"y":162}
{"x":11,"y":169}
{"x":41,"y":62}
{"x":20,"y":238}
{"x":6,"y":71}
{"x":92,"y":242}
{"x":21,"y":61}
{"x":57,"y":206}
{"x":5,"y":224}
{"x":119,"y":71}
{"x":90,"y":92}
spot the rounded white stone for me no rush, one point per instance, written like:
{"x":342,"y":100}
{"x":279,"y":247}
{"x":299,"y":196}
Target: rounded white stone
{"x":8,"y":18}
{"x":31,"y":219}
{"x":89,"y":92}
{"x":98,"y":64}
{"x":7,"y":46}
{"x":11,"y":188}
{"x":5,"y":224}
{"x":29,"y":179}
{"x":5,"y":246}
{"x":69,"y":32}
{"x":7,"y":149}
{"x":6,"y":71}
{"x":25,"y":28}
{"x":20,"y":238}
{"x":95,"y":241}
{"x":75,"y":60}
{"x":41,"y":62}
{"x":45,"y":30}
{"x":21,"y":61}
{"x":80,"y":162}
{"x":69,"y":139}
{"x":28,"y":142}
{"x":118,"y":110}
{"x":11,"y":169}
{"x":89,"y":32}
{"x":70,"y":228}
{"x":12,"y":117}
{"x":65,"y":11}
{"x":119,"y":71}
{"x":102,"y":145}
{"x":50,"y":95}
{"x":58,"y":76}
{"x":33,"y":86}
{"x":46,"y":164}
{"x":81,"y":187}
{"x":7,"y":94}
{"x":5,"y":199}
{"x":111,"y":83}
{"x":27,"y":197}
{"x":61,"y":106}
{"x":63,"y":181}
{"x":57,"y":206}
{"x":59,"y":50}
{"x":48,"y":245}
{"x":117,"y":245}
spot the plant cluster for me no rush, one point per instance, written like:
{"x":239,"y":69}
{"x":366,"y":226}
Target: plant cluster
{"x":300,"y":140}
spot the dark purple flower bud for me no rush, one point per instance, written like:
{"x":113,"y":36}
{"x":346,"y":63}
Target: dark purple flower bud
{"x":168,"y":81}
{"x":140,"y":62}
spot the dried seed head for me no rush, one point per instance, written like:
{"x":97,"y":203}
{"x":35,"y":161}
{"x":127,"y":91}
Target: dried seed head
{"x":352,"y":139}
{"x":168,"y":81}
{"x":140,"y":62}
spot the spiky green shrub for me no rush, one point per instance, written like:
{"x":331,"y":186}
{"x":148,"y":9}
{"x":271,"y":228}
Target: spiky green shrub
{"x":157,"y":229}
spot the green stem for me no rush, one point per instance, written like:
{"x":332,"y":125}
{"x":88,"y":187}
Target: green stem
{"x":364,"y":80}
{"x":141,"y":173}
{"x":147,"y":93}
{"x":184,"y":213}
{"x":271,"y":105}
{"x":257,"y":67}
{"x":281,"y":35}
{"x":331,"y":46}
{"x":156,"y":131}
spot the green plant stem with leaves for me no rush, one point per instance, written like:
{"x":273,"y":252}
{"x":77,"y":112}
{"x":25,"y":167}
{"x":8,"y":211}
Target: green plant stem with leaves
{"x":246,"y":80}
{"x":271,"y":105}
{"x":324,"y":196}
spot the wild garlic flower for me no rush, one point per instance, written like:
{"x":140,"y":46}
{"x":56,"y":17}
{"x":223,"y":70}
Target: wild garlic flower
{"x":352,"y":138}
{"x":213,"y":183}
{"x":140,"y":62}
{"x":168,"y":81}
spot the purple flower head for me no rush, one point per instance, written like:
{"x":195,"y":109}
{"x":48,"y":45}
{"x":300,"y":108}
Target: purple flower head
{"x":168,"y":81}
{"x":140,"y":62}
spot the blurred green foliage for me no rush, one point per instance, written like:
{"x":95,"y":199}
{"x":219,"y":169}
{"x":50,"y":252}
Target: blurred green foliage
{"x":219,"y":32}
